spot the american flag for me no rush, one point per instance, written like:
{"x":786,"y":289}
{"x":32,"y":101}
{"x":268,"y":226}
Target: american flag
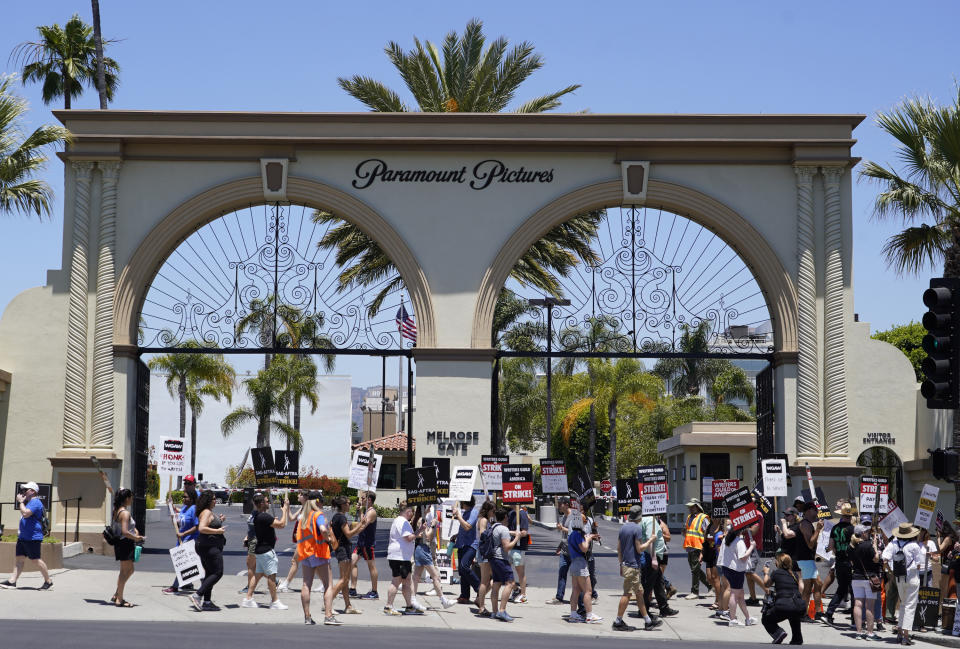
{"x":939,"y":521}
{"x":405,"y":325}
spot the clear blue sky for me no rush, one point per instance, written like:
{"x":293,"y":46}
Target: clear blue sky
{"x":658,"y":57}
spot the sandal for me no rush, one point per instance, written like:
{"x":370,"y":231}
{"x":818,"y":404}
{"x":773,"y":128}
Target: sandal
{"x":122,"y":603}
{"x":113,"y":599}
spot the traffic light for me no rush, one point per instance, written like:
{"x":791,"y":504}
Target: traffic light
{"x":946,"y":464}
{"x":942,"y":344}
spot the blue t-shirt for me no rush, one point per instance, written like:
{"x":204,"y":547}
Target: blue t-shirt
{"x":31,"y":527}
{"x":630,"y":533}
{"x":467,"y":537}
{"x":573,"y":544}
{"x":188,"y":519}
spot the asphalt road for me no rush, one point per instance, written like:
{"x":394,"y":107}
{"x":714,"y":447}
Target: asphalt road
{"x":29,"y":634}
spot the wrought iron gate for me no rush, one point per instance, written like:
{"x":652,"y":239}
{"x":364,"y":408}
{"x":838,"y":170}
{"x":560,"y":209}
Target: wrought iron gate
{"x":141,"y":447}
{"x":766,"y":444}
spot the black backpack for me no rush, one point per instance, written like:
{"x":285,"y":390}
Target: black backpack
{"x":488,"y":543}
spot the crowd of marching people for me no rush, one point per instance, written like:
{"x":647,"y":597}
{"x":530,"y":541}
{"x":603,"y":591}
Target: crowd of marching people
{"x":875,"y":577}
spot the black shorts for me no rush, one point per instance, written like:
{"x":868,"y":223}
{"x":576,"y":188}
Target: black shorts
{"x":28,"y":549}
{"x":342,"y":554}
{"x":399,"y":568}
{"x":123,"y":549}
{"x":364,"y":552}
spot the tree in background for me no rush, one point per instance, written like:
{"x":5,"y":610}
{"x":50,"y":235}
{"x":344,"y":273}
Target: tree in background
{"x":64,"y":60}
{"x":924,"y":192}
{"x":23,"y":156}
{"x":731,"y":383}
{"x":266,"y":395}
{"x":907,"y":338}
{"x":214,"y":382}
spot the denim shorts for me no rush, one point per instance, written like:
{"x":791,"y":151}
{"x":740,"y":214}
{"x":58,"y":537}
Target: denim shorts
{"x":501,"y":571}
{"x":579,"y":567}
{"x":422,"y":556}
{"x":314,"y":562}
{"x":808,"y":568}
{"x":267,"y":563}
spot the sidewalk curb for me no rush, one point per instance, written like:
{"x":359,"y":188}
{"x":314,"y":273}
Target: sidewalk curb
{"x":938,"y":638}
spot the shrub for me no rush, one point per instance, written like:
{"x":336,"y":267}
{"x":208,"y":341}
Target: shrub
{"x":310,"y":478}
{"x":153,"y":484}
{"x":385,"y":512}
{"x":236,"y":497}
{"x":176,"y":496}
{"x":151,"y":501}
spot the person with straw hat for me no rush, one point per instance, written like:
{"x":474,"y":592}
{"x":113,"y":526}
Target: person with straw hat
{"x":839,"y":544}
{"x":904,"y":556}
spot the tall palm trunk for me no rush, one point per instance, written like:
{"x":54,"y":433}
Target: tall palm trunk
{"x":296,"y":415}
{"x":612,"y":418}
{"x":182,"y":391}
{"x":592,"y":453}
{"x":98,"y":40}
{"x":193,"y":442}
{"x":289,"y":441}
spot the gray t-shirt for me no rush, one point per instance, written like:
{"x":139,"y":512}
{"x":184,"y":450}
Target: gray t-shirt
{"x":630,"y":533}
{"x":501,"y":533}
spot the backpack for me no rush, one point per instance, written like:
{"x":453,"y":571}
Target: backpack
{"x":45,"y":526}
{"x":899,"y":562}
{"x":488,"y":544}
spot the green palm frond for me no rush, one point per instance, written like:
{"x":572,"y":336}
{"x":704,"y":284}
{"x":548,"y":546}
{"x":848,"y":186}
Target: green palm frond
{"x":916,"y":248}
{"x":372,"y":94}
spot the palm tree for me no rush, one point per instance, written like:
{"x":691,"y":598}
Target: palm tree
{"x":266,"y":394}
{"x":298,"y":380}
{"x":182,"y":368}
{"x":216,"y":382}
{"x":467,"y":78}
{"x":64,"y":59}
{"x":305,"y":332}
{"x":23,"y":157}
{"x":612,"y":382}
{"x":686,"y":376}
{"x":730,"y":383}
{"x":268,"y":324}
{"x":926,"y":192}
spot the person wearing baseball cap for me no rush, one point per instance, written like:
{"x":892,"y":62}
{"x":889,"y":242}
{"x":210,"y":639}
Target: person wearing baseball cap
{"x":30,"y":535}
{"x":630,"y":545}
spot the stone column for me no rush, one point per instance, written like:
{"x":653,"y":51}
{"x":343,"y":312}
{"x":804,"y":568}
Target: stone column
{"x":75,"y":396}
{"x":102,"y":429}
{"x":835,"y":396}
{"x":808,"y":383}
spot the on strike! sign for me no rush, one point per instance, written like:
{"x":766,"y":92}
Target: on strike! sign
{"x":517,"y":484}
{"x":172,"y":459}
{"x":743,"y":511}
{"x":720,"y":489}
{"x":553,"y":476}
{"x":653,"y":480}
{"x":491,"y":466}
{"x":874,"y":494}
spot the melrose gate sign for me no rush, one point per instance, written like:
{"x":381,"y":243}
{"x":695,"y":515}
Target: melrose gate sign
{"x":775,"y":188}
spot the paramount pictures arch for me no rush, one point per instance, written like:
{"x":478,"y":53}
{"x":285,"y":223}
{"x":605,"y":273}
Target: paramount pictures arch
{"x":454,"y":200}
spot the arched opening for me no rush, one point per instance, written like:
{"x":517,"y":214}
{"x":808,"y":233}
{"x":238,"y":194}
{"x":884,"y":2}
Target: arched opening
{"x":882,"y":461}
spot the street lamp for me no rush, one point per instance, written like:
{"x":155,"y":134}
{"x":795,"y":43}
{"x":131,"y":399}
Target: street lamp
{"x":549,"y":302}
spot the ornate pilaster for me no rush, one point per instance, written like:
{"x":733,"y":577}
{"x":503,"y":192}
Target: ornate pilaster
{"x":835,"y":396}
{"x":808,"y":384}
{"x":75,"y":396}
{"x":102,"y":430}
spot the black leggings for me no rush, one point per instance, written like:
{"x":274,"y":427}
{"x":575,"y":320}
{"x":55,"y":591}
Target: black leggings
{"x":211,"y":558}
{"x":771,"y":622}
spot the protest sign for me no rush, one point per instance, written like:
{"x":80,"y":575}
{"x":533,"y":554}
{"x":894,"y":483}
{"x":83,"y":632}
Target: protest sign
{"x":823,"y":541}
{"x":461,"y":484}
{"x":883,"y":494}
{"x":553,"y":476}
{"x":421,"y":486}
{"x":517,"y":484}
{"x":186,"y":564}
{"x":928,"y":603}
{"x":721,"y":488}
{"x":928,"y":502}
{"x":449,"y":525}
{"x":774,"y":477}
{"x":892,"y":520}
{"x":868,"y":494}
{"x":581,"y":490}
{"x":742,"y":510}
{"x":706,"y":493}
{"x":628,"y":495}
{"x":653,"y":483}
{"x":491,"y":467}
{"x":442,"y":465}
{"x":764,"y":505}
{"x":363,"y":475}
{"x":444,"y":567}
{"x":264,"y":471}
{"x":172,"y":456}
{"x":287,"y":468}
{"x":824,"y":511}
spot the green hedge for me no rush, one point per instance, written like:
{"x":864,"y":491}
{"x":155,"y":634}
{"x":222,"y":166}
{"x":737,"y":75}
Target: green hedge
{"x":153,"y":484}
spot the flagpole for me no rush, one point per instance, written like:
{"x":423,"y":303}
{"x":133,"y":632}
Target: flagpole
{"x":399,"y":399}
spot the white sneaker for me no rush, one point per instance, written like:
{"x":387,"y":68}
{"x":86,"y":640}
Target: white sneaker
{"x":277,"y":605}
{"x":445,"y":603}
{"x":420,"y":607}
{"x":248,"y":603}
{"x":284,"y":589}
{"x":692,"y":596}
{"x":317,"y":588}
{"x":751,"y":621}
{"x":734,"y":623}
{"x":594,"y":619}
{"x":431,"y":593}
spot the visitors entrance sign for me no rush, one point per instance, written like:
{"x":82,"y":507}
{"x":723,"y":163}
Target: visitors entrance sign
{"x":553,"y":476}
{"x":442,"y":466}
{"x":517,"y":484}
{"x":263,"y":468}
{"x":287,"y":468}
{"x":492,"y":465}
{"x":653,"y":481}
{"x":421,"y":486}
{"x":172,"y":458}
